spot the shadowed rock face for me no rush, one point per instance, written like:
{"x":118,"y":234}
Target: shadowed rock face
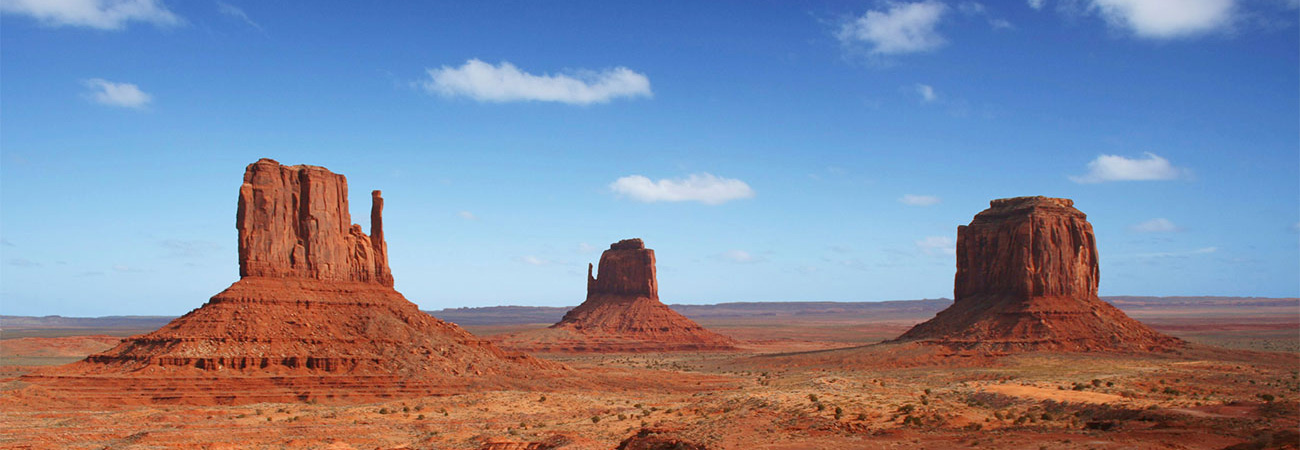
{"x":314,"y":310}
{"x":293,"y":222}
{"x":1027,"y":247}
{"x":623,"y":312}
{"x":1027,"y":277}
{"x":627,"y":270}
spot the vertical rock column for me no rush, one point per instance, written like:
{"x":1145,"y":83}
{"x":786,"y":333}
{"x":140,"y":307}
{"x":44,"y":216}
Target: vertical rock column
{"x":293,"y":222}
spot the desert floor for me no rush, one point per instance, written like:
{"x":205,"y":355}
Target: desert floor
{"x":1236,"y":384}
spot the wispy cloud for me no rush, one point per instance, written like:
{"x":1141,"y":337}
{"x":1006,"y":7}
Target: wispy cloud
{"x":701,"y":187}
{"x":237,"y":13}
{"x":898,"y":29}
{"x":101,"y":14}
{"x":1157,"y":225}
{"x":535,"y":261}
{"x":1166,"y":19}
{"x":976,"y":9}
{"x":506,"y":83}
{"x":926,"y":92}
{"x":1118,"y":168}
{"x":124,"y":95}
{"x":584,"y":247}
{"x":919,"y":200}
{"x":1181,"y":254}
{"x":1037,"y":4}
{"x":181,"y":248}
{"x":937,"y":246}
{"x":740,"y":256}
{"x":22,"y":262}
{"x":467,"y":215}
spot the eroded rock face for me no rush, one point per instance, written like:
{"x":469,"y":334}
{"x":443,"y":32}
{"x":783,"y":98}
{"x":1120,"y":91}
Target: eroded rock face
{"x":622,"y":312}
{"x":314,"y":315}
{"x":293,"y":221}
{"x":1027,"y":247}
{"x":1027,"y":277}
{"x":627,"y":270}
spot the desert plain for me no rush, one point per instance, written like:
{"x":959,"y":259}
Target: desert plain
{"x":1234,"y":386}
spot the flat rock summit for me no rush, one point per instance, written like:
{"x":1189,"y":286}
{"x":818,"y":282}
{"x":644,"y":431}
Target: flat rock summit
{"x":1027,"y":279}
{"x":314,"y":315}
{"x":622,"y":312}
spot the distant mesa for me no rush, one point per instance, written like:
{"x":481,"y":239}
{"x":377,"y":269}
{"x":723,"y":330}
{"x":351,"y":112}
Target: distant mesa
{"x":622,"y":313}
{"x":1027,"y":279}
{"x":313,"y":316}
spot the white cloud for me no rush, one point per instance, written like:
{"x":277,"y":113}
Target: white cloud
{"x":1157,"y":225}
{"x":584,"y":247}
{"x":701,"y":187}
{"x":1118,"y":168}
{"x":506,"y":83}
{"x":1166,"y":19}
{"x":534,"y":261}
{"x":467,"y":215}
{"x":937,"y":246}
{"x":919,"y":200}
{"x":901,"y":28}
{"x":1037,"y":4}
{"x":740,"y":256}
{"x":926,"y":92}
{"x":236,"y":12}
{"x":101,"y":14}
{"x":126,"y":95}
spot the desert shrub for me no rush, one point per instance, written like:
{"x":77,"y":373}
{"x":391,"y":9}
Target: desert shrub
{"x":906,"y":409}
{"x":622,"y":417}
{"x":812,"y":398}
{"x":821,"y":406}
{"x":595,"y":419}
{"x":1170,"y":391}
{"x":862,"y":416}
{"x":1110,"y":383}
{"x":927,"y":391}
{"x":925,"y":400}
{"x":839,"y":412}
{"x":541,"y":399}
{"x":419,"y":417}
{"x":1266,"y":397}
{"x":384,"y":411}
{"x":1096,"y":382}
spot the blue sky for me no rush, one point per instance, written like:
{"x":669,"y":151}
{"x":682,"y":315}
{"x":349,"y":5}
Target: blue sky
{"x":768,"y":151}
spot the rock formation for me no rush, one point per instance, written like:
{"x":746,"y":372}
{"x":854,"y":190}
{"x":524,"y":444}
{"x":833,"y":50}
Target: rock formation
{"x":314,"y":315}
{"x":1027,"y":278}
{"x":293,"y":222}
{"x":622,"y":312}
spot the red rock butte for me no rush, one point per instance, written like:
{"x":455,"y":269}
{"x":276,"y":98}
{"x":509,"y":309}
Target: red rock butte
{"x":622,"y":313}
{"x":313,"y":316}
{"x":1027,"y":279}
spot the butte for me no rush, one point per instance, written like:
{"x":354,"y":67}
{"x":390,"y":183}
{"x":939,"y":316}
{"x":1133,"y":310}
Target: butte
{"x":1027,"y":277}
{"x":314,"y":316}
{"x":1026,"y":281}
{"x":622,"y":313}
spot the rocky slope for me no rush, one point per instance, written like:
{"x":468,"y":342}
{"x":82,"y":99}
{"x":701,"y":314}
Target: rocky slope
{"x":1027,"y":278}
{"x":622,"y":313}
{"x":314,"y":315}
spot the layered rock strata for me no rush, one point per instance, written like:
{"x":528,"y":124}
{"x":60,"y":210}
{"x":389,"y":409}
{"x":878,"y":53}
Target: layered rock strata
{"x":622,"y":312}
{"x":1027,"y":277}
{"x":313,"y":315}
